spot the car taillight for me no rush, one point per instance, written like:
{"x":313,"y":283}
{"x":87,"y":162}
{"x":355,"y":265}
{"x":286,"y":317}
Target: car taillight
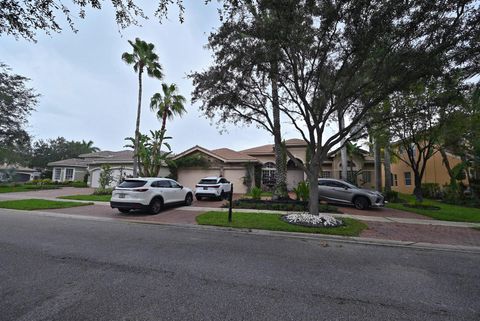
{"x":141,"y":190}
{"x":215,"y":186}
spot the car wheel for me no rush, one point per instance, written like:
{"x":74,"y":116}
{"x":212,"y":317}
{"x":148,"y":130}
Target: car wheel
{"x":223,"y":195}
{"x":188,"y":199}
{"x":156,"y":206}
{"x":124,"y":210}
{"x":361,"y":203}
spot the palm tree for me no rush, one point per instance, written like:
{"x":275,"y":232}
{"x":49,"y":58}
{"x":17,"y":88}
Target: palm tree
{"x":168,"y":104}
{"x":89,"y":146}
{"x":143,"y":58}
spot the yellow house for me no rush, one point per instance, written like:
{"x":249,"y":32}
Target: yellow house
{"x":435,"y":172}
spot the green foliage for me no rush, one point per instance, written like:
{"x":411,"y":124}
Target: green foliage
{"x":432,"y":190}
{"x":281,"y":205}
{"x":103,"y":191}
{"x":391,"y":196}
{"x":150,"y":152}
{"x":302,"y":191}
{"x":39,"y":204}
{"x":106,"y":177}
{"x":186,"y":162}
{"x":256,"y":193}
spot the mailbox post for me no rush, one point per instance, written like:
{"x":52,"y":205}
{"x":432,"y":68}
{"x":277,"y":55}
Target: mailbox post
{"x":230,"y":197}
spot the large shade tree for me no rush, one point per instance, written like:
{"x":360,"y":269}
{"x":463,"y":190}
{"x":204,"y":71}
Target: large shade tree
{"x":336,"y":59}
{"x":143,"y":58}
{"x":17,"y":101}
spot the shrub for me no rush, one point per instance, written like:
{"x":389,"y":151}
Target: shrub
{"x":302,"y":191}
{"x":432,"y":190}
{"x":392,"y":196}
{"x":103,"y":191}
{"x":106,"y":177}
{"x":256,"y":193}
{"x":79,"y":184}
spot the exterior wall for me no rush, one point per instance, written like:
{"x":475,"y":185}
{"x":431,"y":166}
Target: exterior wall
{"x":236,"y":176}
{"x":117,"y":172}
{"x":435,"y":172}
{"x":189,"y":177}
{"x":79,"y":174}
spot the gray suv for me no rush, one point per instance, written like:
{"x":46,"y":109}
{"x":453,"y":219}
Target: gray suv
{"x":341,"y":192}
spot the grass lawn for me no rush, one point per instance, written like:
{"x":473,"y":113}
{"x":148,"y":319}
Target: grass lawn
{"x":274,"y":223}
{"x":91,"y":197}
{"x":24,"y":188}
{"x":446,"y":212}
{"x":38,"y":204}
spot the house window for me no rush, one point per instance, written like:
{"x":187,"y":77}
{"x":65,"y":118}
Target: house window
{"x":326,"y":174}
{"x":367,"y":176}
{"x":269,"y":173}
{"x":408,"y":178}
{"x":69,"y":174}
{"x":394,"y":179}
{"x":57,"y":173}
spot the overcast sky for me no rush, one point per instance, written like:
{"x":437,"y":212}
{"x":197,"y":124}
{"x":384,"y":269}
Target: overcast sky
{"x":89,"y":93}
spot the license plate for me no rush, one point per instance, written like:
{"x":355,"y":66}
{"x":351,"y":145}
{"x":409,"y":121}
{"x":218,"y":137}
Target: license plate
{"x":205,"y":188}
{"x":121,"y":195}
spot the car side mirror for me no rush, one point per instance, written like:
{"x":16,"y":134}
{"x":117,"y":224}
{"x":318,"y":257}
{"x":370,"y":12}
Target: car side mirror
{"x":181,"y":186}
{"x":347,"y":188}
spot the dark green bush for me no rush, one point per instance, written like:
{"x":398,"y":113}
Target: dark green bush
{"x":391,"y":196}
{"x":432,"y":190}
{"x":103,"y":191}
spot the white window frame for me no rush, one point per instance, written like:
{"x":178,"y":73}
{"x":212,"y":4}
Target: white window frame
{"x":66,"y":173}
{"x":56,"y":171}
{"x":269,"y":173}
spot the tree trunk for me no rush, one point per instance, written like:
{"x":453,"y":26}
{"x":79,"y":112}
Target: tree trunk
{"x":312,"y":176}
{"x":343,"y":150}
{"x":388,"y":168}
{"x":137,"y":125}
{"x":280,"y":190}
{"x":417,"y":191}
{"x":164,"y":119}
{"x":378,"y":166}
{"x":447,"y":164}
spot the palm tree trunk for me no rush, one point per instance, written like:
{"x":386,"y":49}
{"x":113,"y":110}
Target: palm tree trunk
{"x":388,"y":168}
{"x":137,"y":125}
{"x":443,"y":152}
{"x":164,"y":119}
{"x":378,"y":166}
{"x":280,"y":190}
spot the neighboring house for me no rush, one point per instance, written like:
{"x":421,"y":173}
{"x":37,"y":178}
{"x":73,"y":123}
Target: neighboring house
{"x":435,"y":172}
{"x":241,"y":167}
{"x":75,"y":169}
{"x":19,"y":173}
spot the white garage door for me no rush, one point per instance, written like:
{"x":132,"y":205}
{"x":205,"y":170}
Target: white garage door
{"x":95,"y":174}
{"x":190,"y":177}
{"x":236,"y":176}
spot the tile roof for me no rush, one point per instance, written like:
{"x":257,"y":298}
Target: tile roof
{"x":103,"y":157}
{"x":268,"y":149}
{"x":75,"y":162}
{"x":229,"y":154}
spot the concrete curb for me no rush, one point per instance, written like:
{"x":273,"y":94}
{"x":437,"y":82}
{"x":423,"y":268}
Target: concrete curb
{"x":266,"y":233}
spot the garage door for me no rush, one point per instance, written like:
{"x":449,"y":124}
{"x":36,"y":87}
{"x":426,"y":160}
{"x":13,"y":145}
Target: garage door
{"x":236,"y":176}
{"x":190,"y":177}
{"x":294,"y":176}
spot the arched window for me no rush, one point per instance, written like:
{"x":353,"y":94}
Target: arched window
{"x":269,"y":174}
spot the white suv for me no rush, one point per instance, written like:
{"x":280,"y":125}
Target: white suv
{"x":149,"y":193}
{"x":213,"y":187}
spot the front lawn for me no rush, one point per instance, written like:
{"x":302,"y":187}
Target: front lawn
{"x":39,"y":204}
{"x":90,"y":197}
{"x":273,"y":222}
{"x":447,"y":212}
{"x":25,"y":188}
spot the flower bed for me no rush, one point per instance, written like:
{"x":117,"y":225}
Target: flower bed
{"x":305,"y":219}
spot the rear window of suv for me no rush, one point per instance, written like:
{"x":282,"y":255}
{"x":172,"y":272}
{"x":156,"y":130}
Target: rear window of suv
{"x":132,"y":184}
{"x":208,"y":181}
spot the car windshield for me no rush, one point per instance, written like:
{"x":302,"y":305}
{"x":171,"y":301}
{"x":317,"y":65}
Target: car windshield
{"x":132,"y":183}
{"x":208,"y":181}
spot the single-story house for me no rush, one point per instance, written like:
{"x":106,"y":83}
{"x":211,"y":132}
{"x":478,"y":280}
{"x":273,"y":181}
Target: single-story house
{"x":19,"y":173}
{"x":256,"y":166}
{"x":76,"y":169}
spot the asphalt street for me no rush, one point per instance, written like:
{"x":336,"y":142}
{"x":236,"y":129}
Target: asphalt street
{"x":69,"y":269}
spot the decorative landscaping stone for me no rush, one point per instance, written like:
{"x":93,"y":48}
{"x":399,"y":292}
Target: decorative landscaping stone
{"x":306,"y":219}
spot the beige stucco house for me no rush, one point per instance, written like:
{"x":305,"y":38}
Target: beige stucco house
{"x":256,"y":166}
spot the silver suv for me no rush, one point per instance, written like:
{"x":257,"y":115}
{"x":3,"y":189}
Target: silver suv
{"x":341,"y":192}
